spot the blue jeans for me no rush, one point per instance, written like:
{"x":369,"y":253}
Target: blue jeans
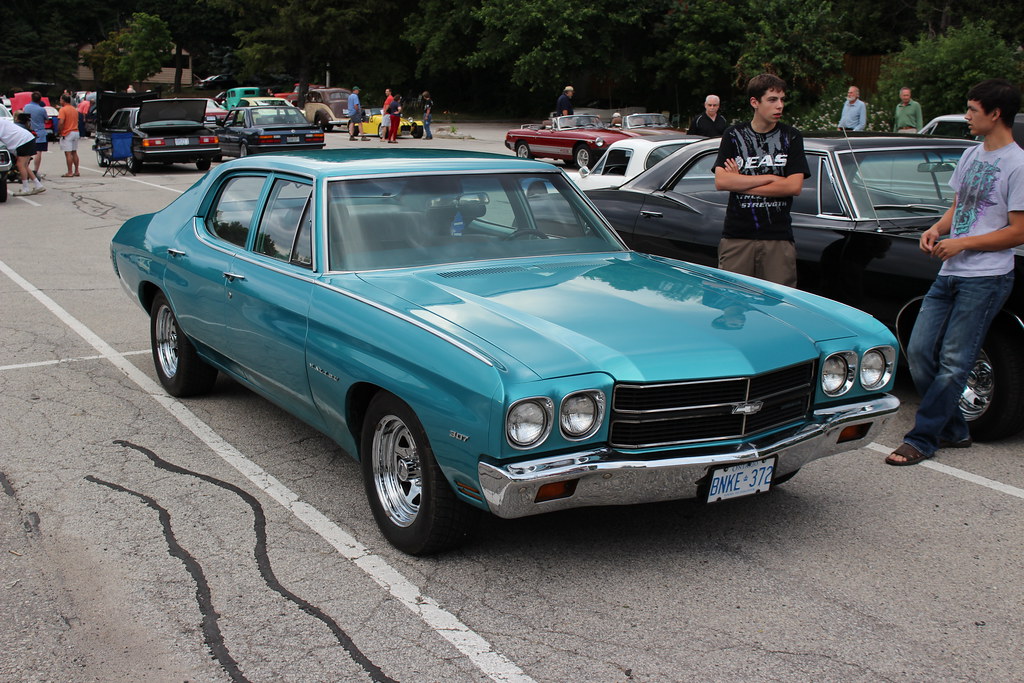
{"x":426,"y":126}
{"x":948,"y":334}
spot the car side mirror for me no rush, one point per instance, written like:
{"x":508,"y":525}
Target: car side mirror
{"x":584,"y":171}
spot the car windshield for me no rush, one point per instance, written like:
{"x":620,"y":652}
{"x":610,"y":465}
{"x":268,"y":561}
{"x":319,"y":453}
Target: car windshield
{"x":646,"y":121}
{"x":428,"y":220}
{"x":579,"y":121}
{"x":897,"y":183}
{"x":266,"y":116}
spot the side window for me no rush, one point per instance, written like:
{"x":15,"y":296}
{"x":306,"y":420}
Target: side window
{"x":237,"y":118}
{"x":699,"y":177}
{"x":616,"y":161}
{"x":231,"y":214}
{"x":302,"y":252}
{"x":807,"y":201}
{"x":279,"y":226}
{"x":659,"y":153}
{"x":830,"y":202}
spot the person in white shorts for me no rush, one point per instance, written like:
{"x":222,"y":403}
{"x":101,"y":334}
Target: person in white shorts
{"x":69,"y":135}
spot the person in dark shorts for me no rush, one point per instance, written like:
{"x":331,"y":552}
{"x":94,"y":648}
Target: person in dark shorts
{"x":22,"y":142}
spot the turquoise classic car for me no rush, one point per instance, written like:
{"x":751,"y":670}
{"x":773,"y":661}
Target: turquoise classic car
{"x":470,"y":328}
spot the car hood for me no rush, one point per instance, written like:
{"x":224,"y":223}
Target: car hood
{"x":153,"y":111}
{"x":636,"y":317}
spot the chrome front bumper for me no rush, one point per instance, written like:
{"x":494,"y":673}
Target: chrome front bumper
{"x":610,"y":477}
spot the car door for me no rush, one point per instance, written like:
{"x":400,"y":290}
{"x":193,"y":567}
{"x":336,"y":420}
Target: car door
{"x":199,"y":266}
{"x":684,"y":219}
{"x":268,"y":294}
{"x":231,"y":134}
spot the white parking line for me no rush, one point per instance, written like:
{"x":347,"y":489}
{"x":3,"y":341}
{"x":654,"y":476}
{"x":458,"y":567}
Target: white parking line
{"x":960,"y":474}
{"x":41,"y":363}
{"x":493,"y":664}
{"x":136,"y":180}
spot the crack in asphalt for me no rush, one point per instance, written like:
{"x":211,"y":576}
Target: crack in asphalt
{"x":211,"y":628}
{"x":260,"y":554}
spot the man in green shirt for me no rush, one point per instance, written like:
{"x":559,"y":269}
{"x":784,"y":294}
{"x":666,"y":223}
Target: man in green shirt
{"x":908,"y":117}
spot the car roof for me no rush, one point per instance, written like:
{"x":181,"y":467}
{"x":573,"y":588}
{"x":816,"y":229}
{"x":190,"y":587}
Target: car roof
{"x":332,"y":163}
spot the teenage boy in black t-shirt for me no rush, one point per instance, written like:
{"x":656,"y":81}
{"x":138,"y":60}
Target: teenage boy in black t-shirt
{"x":762,"y":165}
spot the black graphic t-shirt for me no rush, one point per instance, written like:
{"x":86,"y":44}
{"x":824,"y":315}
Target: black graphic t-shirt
{"x":778,"y":152}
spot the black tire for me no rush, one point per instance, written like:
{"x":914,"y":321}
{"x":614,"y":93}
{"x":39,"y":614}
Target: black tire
{"x":583,"y":156}
{"x":412,"y":502}
{"x":243,"y":150}
{"x":993,"y":401}
{"x":323,"y":122}
{"x":523,"y":150}
{"x":134,"y":165}
{"x":3,"y":187}
{"x":203,"y":164}
{"x":180,"y":369}
{"x":101,"y":160}
{"x":417,"y":132}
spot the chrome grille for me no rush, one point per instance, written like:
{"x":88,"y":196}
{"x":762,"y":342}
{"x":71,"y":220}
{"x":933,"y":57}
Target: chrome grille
{"x":671,"y":413}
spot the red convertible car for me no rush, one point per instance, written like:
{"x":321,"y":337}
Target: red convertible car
{"x":578,"y":139}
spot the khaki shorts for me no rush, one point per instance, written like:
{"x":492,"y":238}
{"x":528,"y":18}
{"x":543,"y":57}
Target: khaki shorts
{"x":772,"y":260}
{"x":69,"y":143}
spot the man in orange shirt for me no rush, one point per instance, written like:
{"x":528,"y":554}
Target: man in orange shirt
{"x":68,"y":132}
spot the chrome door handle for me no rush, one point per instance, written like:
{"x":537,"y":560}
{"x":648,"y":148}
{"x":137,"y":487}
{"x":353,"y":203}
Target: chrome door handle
{"x":175,"y":252}
{"x":651,"y":214}
{"x":231,"y":277}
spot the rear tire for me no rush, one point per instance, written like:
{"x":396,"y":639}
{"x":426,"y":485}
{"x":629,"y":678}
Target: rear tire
{"x":417,"y":132}
{"x":583,"y":156}
{"x":411,"y":500}
{"x":180,"y":369}
{"x":323,"y":122}
{"x":3,"y":187}
{"x":993,"y":401}
{"x":101,"y":160}
{"x":134,"y":165}
{"x":203,"y":164}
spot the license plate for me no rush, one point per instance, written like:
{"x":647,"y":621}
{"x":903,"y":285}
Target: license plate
{"x":180,"y":141}
{"x":743,"y":479}
{"x":292,"y":138}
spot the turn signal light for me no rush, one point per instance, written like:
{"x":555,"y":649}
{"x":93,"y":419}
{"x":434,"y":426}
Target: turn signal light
{"x":154,"y":142}
{"x":854,"y":432}
{"x":264,"y":139}
{"x":556,"y":490}
{"x":209,"y":140}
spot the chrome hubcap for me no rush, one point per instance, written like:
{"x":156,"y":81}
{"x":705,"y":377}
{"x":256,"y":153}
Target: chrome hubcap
{"x":167,"y":341}
{"x":977,"y":395}
{"x":396,"y":470}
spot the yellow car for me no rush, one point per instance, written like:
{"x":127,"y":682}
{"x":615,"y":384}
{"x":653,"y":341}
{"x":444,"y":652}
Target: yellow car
{"x":371,"y":126}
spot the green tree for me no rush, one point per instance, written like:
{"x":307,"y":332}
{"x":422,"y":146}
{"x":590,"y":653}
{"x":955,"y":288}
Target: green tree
{"x":300,"y":37}
{"x":132,"y":54}
{"x":797,"y":40}
{"x":941,"y":70}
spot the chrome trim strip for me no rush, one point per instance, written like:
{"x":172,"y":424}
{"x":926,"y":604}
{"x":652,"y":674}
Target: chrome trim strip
{"x":608,"y":477}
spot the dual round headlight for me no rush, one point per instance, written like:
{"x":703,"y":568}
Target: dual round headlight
{"x":874,"y":370}
{"x":530,"y":420}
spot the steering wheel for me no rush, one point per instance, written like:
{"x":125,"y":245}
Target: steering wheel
{"x":525,"y":232}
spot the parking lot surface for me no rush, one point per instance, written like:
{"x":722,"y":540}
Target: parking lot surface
{"x":146,"y":538}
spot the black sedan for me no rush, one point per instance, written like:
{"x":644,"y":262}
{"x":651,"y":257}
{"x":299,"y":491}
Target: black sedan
{"x":168,"y":131}
{"x":251,"y":130}
{"x":856,"y":225}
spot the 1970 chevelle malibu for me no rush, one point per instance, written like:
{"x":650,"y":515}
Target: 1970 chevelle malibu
{"x":471,"y":329}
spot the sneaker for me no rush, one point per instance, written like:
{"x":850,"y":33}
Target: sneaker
{"x":37,"y":190}
{"x":22,"y":193}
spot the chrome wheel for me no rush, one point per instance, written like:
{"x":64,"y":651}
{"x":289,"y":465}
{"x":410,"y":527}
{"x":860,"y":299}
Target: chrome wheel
{"x":523,"y":151}
{"x":165,"y":341}
{"x":981,"y":384}
{"x":396,"y":470}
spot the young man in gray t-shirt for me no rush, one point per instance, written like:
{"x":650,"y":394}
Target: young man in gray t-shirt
{"x":984,"y":224}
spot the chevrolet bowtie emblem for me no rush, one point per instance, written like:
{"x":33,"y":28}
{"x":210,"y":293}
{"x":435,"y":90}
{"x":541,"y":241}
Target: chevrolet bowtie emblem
{"x":747,"y":408}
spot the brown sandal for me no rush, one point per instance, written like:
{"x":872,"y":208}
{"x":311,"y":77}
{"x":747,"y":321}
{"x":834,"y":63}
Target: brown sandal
{"x":909,"y":455}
